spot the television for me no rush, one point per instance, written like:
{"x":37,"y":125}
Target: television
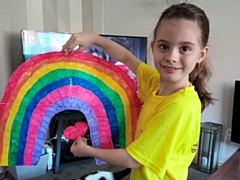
{"x":39,"y":42}
{"x":235,"y":132}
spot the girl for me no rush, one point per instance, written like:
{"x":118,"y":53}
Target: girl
{"x":174,"y":95}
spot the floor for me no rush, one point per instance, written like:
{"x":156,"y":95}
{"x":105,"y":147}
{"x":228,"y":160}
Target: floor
{"x":76,"y":169}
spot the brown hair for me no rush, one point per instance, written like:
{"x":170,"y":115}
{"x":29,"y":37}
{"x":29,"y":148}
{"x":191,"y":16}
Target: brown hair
{"x":202,"y":71}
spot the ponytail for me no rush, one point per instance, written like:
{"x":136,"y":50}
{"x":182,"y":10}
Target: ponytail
{"x":199,"y":78}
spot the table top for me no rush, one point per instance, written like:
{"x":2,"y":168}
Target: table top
{"x":230,"y":170}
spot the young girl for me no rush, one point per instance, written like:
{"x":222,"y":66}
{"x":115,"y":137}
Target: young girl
{"x":174,"y":95}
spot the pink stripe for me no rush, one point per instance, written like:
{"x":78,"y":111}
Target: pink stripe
{"x":61,"y":93}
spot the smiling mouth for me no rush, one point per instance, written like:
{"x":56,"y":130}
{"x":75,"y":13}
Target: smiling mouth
{"x":170,"y":68}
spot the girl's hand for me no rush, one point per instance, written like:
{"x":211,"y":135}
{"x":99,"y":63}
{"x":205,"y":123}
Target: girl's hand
{"x":82,"y":40}
{"x":114,"y":50}
{"x":79,"y":147}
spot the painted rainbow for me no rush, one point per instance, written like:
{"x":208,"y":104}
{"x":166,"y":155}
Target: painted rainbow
{"x":50,"y":83}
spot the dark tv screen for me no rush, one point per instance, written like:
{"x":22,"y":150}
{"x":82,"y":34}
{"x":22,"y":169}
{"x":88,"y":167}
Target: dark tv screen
{"x":235,"y":133}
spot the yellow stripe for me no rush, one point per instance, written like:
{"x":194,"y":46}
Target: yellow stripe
{"x":47,"y":69}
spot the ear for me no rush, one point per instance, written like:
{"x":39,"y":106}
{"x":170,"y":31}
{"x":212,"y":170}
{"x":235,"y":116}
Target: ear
{"x":203,"y":54}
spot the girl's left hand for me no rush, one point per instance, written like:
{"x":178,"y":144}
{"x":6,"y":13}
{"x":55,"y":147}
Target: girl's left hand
{"x":79,"y":147}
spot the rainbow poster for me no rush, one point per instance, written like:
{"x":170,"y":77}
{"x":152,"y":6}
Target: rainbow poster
{"x":50,"y":83}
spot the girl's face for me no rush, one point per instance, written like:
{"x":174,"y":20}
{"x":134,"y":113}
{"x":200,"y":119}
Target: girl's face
{"x":176,"y":50}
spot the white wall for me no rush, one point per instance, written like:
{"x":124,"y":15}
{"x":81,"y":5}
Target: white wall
{"x":129,"y":17}
{"x":135,"y":17}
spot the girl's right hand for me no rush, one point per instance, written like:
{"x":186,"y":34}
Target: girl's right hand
{"x":79,"y":147}
{"x":82,"y":40}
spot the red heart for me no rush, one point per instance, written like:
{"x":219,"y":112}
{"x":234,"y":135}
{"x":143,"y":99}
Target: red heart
{"x":73,"y":132}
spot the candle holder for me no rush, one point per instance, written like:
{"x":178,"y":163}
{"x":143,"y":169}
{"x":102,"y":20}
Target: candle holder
{"x":208,"y":151}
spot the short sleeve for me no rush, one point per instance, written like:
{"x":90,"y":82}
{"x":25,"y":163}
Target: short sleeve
{"x":147,"y":77}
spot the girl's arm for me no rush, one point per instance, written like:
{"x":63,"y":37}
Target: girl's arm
{"x":84,"y":40}
{"x":118,"y":157}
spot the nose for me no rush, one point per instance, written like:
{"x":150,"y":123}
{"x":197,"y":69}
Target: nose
{"x":172,"y":55}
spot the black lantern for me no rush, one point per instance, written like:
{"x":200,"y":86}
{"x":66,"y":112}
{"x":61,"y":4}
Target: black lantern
{"x":208,"y":151}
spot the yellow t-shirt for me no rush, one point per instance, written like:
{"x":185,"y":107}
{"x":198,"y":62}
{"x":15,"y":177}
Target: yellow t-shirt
{"x":167,"y":132}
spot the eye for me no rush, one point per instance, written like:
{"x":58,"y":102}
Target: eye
{"x":163,"y":47}
{"x":185,"y":48}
